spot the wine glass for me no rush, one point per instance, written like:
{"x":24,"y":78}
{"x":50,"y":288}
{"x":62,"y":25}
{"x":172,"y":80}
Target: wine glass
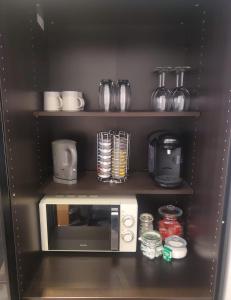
{"x":180,"y":95}
{"x":161,"y":97}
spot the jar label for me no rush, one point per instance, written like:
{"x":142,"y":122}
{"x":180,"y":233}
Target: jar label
{"x":167,"y":254}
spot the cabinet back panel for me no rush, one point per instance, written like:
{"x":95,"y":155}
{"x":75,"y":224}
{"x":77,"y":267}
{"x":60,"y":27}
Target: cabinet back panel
{"x":81,"y":56}
{"x":84,"y":131}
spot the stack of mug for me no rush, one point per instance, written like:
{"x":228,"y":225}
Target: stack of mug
{"x":65,"y":101}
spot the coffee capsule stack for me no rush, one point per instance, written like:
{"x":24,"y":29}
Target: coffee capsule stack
{"x":104,"y":154}
{"x":113,"y":156}
{"x":120,"y":154}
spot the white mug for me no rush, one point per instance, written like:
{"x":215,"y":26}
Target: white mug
{"x":52,"y":101}
{"x":72,"y":101}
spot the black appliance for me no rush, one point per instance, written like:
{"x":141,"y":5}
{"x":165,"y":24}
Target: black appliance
{"x":165,"y":158}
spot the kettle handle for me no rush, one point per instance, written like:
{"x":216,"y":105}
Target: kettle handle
{"x":73,"y":153}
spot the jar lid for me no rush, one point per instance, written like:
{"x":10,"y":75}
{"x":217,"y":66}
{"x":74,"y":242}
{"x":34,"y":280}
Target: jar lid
{"x":146,"y":218}
{"x":175,"y":241}
{"x":170,"y":211}
{"x":151,"y":238}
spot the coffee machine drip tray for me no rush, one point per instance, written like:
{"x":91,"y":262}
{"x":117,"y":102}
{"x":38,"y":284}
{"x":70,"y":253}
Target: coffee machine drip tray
{"x":168,"y":181}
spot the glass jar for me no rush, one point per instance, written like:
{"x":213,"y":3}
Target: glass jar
{"x":169,"y":224}
{"x":146,"y":223}
{"x":178,"y":246}
{"x":151,"y":244}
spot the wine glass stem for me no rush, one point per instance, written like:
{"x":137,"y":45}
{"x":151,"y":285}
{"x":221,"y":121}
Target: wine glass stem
{"x":161,"y":79}
{"x":182,"y":78}
{"x":177,"y":79}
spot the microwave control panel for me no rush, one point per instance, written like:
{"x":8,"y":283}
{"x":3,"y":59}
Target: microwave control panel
{"x":128,"y":226}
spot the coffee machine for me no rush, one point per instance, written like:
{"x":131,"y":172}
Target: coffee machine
{"x":165,"y":159}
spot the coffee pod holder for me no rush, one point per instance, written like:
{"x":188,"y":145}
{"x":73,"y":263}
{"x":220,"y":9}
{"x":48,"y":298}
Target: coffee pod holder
{"x":178,"y":246}
{"x":113,"y":156}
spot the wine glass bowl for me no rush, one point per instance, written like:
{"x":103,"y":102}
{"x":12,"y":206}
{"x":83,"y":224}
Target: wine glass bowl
{"x":160,"y":99}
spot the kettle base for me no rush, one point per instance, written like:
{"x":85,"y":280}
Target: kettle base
{"x":64,"y":181}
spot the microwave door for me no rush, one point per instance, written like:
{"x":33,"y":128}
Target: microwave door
{"x":77,"y":227}
{"x":115,"y":229}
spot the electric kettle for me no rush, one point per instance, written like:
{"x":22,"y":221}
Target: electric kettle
{"x":64,"y":161}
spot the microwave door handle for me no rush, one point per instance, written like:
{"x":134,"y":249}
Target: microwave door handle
{"x":114,"y":230}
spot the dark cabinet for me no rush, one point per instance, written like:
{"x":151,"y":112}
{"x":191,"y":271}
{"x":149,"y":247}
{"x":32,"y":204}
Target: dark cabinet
{"x":60,"y":45}
{"x":4,"y":285}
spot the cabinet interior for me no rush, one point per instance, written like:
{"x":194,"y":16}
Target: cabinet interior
{"x":84,"y":41}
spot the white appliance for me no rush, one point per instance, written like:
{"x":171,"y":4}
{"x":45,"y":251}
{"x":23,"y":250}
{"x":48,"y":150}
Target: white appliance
{"x":64,"y":154}
{"x":89,"y":223}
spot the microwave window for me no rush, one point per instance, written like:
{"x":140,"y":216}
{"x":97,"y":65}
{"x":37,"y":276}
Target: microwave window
{"x":81,"y":227}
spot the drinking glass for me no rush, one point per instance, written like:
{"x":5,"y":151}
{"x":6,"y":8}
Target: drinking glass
{"x":161,"y":97}
{"x":123,"y":95}
{"x":180,"y":95}
{"x":106,"y":95}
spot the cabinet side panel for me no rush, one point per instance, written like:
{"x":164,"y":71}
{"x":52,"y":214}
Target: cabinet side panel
{"x":20,"y":97}
{"x":211,"y":138}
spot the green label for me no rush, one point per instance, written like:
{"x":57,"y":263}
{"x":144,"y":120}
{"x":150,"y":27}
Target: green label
{"x":167,"y":254}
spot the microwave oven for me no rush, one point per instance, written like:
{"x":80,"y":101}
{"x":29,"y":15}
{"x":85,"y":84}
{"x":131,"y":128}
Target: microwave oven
{"x":89,"y":223}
